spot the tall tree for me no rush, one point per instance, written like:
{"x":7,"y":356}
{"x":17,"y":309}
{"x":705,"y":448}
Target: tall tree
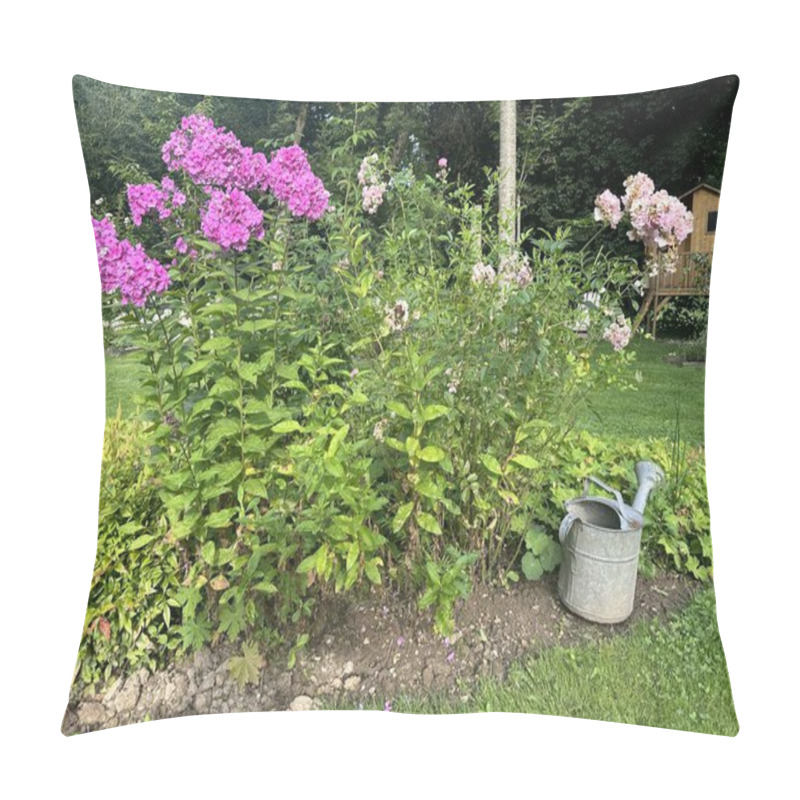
{"x":507,"y":214}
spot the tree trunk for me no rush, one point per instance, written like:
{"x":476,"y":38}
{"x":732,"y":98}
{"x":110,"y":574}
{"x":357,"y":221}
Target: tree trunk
{"x":300,"y":124}
{"x":508,"y":172}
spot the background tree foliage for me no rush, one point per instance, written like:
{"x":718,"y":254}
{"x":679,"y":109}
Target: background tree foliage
{"x":568,"y":149}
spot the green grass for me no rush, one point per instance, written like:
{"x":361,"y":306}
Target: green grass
{"x":650,"y":409}
{"x":663,"y":675}
{"x":124,"y":376}
{"x":647,"y":411}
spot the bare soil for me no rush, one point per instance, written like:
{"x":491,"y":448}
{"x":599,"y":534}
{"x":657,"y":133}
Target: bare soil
{"x":375,"y":650}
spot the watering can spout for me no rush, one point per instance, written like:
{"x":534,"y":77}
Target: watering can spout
{"x":649,"y":475}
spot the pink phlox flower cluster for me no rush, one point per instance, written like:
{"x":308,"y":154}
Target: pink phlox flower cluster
{"x":146,"y":197}
{"x":442,"y":173}
{"x":618,"y":333}
{"x":372,"y":187}
{"x":211,"y":156}
{"x":658,"y":220}
{"x":608,"y":208}
{"x":180,"y":245}
{"x":637,"y":186}
{"x":396,"y":316}
{"x":231,"y":219}
{"x":483,"y":273}
{"x":514,"y":272}
{"x":126,"y":267}
{"x":289,"y":177}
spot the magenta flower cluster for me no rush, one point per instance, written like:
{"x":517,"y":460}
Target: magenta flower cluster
{"x":212,"y":156}
{"x":146,"y":197}
{"x":231,"y":219}
{"x":289,"y":177}
{"x":125,"y":266}
{"x":214,"y":159}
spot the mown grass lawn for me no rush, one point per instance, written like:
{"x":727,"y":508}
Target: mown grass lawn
{"x":663,"y":675}
{"x":649,"y":410}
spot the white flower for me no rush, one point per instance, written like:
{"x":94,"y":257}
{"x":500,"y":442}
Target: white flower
{"x":396,"y":316}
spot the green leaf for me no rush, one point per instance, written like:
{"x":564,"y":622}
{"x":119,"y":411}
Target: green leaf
{"x":333,"y":467}
{"x":287,"y":426}
{"x":395,"y":444}
{"x":255,"y":487}
{"x":532,"y":567}
{"x":337,"y":439}
{"x":224,"y":428}
{"x":307,"y":564}
{"x":220,"y":519}
{"x":223,"y":474}
{"x":371,"y":570}
{"x":208,"y":551}
{"x":551,"y":556}
{"x":201,"y":365}
{"x":491,"y":463}
{"x":401,"y":516}
{"x":141,"y":541}
{"x":412,"y":445}
{"x":352,"y":555}
{"x":247,"y":667}
{"x":434,"y":412}
{"x":429,"y":523}
{"x":217,"y":343}
{"x":399,"y":408}
{"x":526,"y":461}
{"x":432,"y":454}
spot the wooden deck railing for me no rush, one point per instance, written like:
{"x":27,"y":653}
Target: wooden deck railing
{"x":691,"y":276}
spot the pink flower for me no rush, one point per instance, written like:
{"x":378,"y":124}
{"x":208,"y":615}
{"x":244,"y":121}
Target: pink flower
{"x":231,"y":219}
{"x":658,"y":220}
{"x":637,"y":187}
{"x":607,"y":208}
{"x":212,"y":156}
{"x":372,"y":197}
{"x":483,"y":273}
{"x":180,"y":245}
{"x":126,"y":267}
{"x":618,"y":333}
{"x":289,"y":177}
{"x":373,"y":188}
{"x":442,"y":162}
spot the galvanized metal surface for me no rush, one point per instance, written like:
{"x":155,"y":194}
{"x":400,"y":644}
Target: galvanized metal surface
{"x":600,"y":539}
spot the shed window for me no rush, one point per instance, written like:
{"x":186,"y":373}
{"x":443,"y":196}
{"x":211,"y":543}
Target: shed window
{"x":712,"y":222}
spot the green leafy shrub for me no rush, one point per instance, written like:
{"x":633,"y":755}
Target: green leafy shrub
{"x":676,"y":531}
{"x":383,"y":390}
{"x":129,"y":620}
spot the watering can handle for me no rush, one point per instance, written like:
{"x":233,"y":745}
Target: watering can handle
{"x":603,"y":486}
{"x":566,"y":524}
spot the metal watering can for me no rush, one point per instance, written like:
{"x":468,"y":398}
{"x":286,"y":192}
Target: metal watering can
{"x":600,"y":539}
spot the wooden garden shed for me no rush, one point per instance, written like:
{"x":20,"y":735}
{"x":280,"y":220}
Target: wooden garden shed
{"x":694,"y":257}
